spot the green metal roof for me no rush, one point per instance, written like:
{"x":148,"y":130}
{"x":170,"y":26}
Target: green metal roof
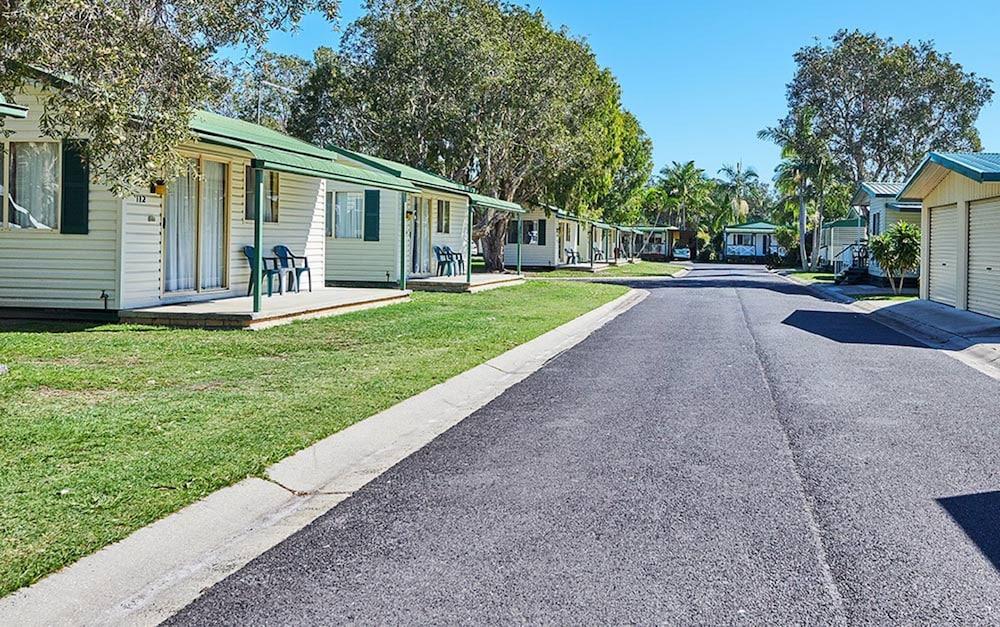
{"x":874,"y":189}
{"x":749,"y":227}
{"x":276,"y":151}
{"x":414,"y":175}
{"x":600,"y":225}
{"x":845,"y":222}
{"x":982,"y":167}
{"x":494,"y":203}
{"x":11,"y":110}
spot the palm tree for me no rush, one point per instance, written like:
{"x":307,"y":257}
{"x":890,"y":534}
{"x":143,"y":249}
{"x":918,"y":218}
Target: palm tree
{"x":804,"y":161}
{"x":686,"y":183}
{"x":740,"y":182}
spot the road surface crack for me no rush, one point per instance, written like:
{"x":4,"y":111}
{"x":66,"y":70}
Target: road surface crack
{"x":808,"y":505}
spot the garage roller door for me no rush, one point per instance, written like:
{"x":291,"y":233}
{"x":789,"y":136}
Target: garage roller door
{"x":943,"y":279}
{"x":984,"y":257}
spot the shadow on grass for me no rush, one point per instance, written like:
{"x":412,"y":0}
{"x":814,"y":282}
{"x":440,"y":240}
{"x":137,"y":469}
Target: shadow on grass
{"x":979,"y":517}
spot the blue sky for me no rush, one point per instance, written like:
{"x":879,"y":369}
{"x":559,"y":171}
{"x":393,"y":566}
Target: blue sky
{"x":704,"y":76}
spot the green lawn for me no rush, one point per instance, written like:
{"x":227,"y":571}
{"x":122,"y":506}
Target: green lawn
{"x":108,"y":428}
{"x":646,"y":268}
{"x":812,"y":277}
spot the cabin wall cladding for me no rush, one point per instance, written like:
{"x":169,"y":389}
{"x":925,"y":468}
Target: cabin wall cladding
{"x":536,"y":255}
{"x":52,"y":269}
{"x":367,"y":261}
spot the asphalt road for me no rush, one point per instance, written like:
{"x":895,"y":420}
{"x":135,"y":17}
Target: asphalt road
{"x":731,"y":450}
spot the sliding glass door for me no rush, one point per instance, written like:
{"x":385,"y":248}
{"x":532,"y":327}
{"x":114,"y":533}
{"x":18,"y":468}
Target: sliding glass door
{"x":180,"y":232}
{"x":194,"y":229}
{"x":212,"y":238}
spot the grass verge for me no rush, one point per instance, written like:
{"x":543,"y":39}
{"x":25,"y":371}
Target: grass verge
{"x":812,"y":277}
{"x":108,"y":428}
{"x":884,"y":297}
{"x":644,"y":269}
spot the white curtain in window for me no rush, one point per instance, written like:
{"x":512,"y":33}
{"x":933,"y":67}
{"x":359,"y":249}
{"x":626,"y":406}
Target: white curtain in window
{"x":34,"y":185}
{"x":213,"y":226}
{"x":180,"y":236}
{"x":347,"y":223}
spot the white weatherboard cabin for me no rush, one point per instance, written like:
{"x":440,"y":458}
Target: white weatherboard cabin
{"x":416,"y":231}
{"x":550,"y":238}
{"x":172,"y":253}
{"x":838,"y":237}
{"x":960,"y":227}
{"x":884,"y":210}
{"x":656,"y":242}
{"x":752,"y":241}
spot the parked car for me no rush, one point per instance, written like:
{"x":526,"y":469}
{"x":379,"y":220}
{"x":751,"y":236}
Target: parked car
{"x":682,"y":253}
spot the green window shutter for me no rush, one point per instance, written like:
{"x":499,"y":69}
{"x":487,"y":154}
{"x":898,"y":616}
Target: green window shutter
{"x":75,"y":208}
{"x":512,"y":232}
{"x":371,"y":214}
{"x":541,"y":232}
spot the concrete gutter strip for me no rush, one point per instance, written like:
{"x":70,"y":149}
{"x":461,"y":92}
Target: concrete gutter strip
{"x":150,"y":575}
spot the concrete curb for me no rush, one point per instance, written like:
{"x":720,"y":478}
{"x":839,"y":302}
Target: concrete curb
{"x":150,"y":575}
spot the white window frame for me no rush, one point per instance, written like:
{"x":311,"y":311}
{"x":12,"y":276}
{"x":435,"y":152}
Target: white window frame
{"x":5,"y":179}
{"x":361,"y":223}
{"x":443,"y":221}
{"x":248,"y":182}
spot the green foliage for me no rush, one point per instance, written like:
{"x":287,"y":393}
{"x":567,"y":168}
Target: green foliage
{"x":884,"y":105}
{"x":131,"y":71}
{"x":262,"y":88}
{"x":897,"y":251}
{"x":484,"y":93}
{"x":787,"y":237}
{"x":107,"y":429}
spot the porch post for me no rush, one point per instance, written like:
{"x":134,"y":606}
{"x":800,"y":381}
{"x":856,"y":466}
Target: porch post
{"x":591,"y":245}
{"x":576,"y":244}
{"x":520,"y":237}
{"x":468,"y":247}
{"x":402,"y":241}
{"x":258,"y":237}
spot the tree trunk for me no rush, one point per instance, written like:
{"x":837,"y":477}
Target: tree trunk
{"x":492,"y":239}
{"x":803,"y":258}
{"x":821,"y":201}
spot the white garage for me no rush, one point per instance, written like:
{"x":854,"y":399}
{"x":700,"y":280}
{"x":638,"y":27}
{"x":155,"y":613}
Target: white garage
{"x":942,"y":277}
{"x":960,"y":221}
{"x":984,"y":257}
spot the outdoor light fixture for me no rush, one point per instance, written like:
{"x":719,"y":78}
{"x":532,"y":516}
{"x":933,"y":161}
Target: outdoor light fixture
{"x":158,"y":187}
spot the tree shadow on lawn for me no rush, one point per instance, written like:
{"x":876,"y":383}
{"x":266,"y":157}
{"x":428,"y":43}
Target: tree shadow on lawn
{"x":979,"y":517}
{"x":846,"y":327}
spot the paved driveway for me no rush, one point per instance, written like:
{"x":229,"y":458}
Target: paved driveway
{"x":730,"y":450}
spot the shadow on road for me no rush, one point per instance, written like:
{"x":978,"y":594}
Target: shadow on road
{"x":979,"y":517}
{"x":848,"y":328}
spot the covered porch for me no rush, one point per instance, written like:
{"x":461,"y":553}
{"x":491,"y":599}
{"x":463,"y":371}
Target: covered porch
{"x":241,"y":313}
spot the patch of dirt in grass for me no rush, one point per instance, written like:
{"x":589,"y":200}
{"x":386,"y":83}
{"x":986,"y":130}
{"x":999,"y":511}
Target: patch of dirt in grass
{"x":91,"y":397}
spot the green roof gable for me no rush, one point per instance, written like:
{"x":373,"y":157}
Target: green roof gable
{"x":753,"y":227}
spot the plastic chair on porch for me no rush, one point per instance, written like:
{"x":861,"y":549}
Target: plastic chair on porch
{"x":457,"y":258}
{"x":268,"y":273}
{"x":445,"y":262}
{"x":289,"y":263}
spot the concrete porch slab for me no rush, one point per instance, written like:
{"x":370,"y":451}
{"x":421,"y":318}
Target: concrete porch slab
{"x":458,"y":284}
{"x":237,"y":313}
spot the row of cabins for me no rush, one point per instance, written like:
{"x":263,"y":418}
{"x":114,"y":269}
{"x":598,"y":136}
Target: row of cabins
{"x":553,"y":238}
{"x":176,"y":250}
